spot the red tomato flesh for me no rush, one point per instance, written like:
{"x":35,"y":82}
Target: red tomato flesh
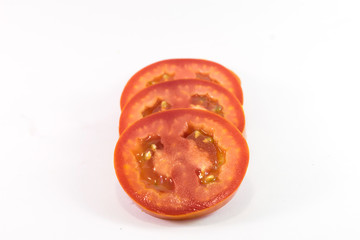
{"x":176,"y":69}
{"x":175,"y":94}
{"x":181,"y":163}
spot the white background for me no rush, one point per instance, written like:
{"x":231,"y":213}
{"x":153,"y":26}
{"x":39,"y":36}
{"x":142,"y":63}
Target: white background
{"x":63,"y":65}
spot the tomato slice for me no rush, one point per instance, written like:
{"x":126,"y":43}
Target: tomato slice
{"x":174,"y":69}
{"x":181,"y":163}
{"x":183,"y":94}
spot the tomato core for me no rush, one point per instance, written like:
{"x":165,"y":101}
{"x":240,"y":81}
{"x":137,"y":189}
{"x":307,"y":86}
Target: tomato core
{"x":205,"y":142}
{"x":169,"y":77}
{"x":162,"y":78}
{"x":149,"y":148}
{"x":205,"y":76}
{"x":145,"y":153}
{"x":207,"y":103}
{"x":159,"y":105}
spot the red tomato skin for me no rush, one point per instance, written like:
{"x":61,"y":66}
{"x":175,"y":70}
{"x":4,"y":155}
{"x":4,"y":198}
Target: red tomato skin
{"x":241,"y":165}
{"x":191,"y":215}
{"x":178,"y":92}
{"x":233,"y":83}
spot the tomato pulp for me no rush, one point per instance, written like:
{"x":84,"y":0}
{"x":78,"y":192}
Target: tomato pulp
{"x":183,"y":94}
{"x":176,"y":69}
{"x":181,"y":163}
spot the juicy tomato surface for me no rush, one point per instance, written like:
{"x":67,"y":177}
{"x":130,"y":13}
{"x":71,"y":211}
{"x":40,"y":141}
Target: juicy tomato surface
{"x":181,"y":163}
{"x":175,"y":94}
{"x":174,"y":69}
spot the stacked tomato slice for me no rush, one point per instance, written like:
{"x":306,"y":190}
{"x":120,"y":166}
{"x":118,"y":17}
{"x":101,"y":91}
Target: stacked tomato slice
{"x":181,"y":152}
